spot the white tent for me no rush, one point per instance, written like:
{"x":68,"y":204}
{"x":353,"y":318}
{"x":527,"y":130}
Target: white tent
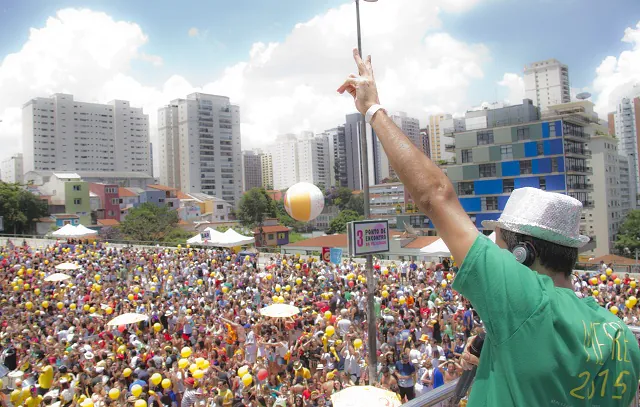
{"x":211,"y":236}
{"x":439,"y":249}
{"x":83,"y":231}
{"x":67,"y":230}
{"x":231,"y":238}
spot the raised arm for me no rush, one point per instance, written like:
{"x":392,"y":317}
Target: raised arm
{"x":427,"y":184}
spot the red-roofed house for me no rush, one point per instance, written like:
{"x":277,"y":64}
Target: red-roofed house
{"x":271,"y":234}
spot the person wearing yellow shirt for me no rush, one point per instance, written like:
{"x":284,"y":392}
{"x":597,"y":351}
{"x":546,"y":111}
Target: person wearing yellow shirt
{"x":34,"y":400}
{"x":45,"y":379}
{"x":225,"y":393}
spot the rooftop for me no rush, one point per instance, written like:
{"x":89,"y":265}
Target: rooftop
{"x":108,"y":222}
{"x":421,"y":241}
{"x":161,"y":187}
{"x":126,"y":193}
{"x":272,"y":229}
{"x":67,"y":175}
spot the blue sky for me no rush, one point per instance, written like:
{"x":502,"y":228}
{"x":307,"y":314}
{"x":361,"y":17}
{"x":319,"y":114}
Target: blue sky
{"x":430,"y":56}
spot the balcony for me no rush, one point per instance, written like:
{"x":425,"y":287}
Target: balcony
{"x":588,"y":204}
{"x":580,"y":186}
{"x":450,"y":148}
{"x":579,"y":169}
{"x":577,"y":151}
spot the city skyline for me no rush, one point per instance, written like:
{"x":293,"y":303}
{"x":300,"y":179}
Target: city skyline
{"x":138,"y":64}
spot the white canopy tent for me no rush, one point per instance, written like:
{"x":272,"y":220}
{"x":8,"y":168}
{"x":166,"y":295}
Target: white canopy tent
{"x":67,"y":230}
{"x":83,"y":231}
{"x":231,"y":238}
{"x":210,"y":237}
{"x":439,"y":249}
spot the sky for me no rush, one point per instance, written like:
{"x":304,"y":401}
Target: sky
{"x":281,"y":61}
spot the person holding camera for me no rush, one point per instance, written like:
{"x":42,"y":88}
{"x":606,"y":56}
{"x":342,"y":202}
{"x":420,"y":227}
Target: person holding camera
{"x":544,"y":346}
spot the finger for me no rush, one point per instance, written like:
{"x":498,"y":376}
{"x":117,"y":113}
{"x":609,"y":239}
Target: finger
{"x":369,"y":66}
{"x":350,"y":82}
{"x":362,"y":69}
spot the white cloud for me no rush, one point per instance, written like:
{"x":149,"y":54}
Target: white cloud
{"x":193,"y":32}
{"x":281,"y":87}
{"x":514,"y":85}
{"x":615,"y":77}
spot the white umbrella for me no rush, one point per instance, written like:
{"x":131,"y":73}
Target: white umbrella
{"x":83,"y":231}
{"x":126,"y":319}
{"x":55,"y":277}
{"x":280,"y":311}
{"x":67,"y":266}
{"x":356,"y":396}
{"x":67,"y":230}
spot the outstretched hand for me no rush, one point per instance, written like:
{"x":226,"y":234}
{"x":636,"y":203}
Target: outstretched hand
{"x":361,"y":86}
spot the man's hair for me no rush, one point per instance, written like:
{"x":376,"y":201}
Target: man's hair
{"x":552,"y":256}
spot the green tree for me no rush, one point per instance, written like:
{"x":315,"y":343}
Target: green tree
{"x":149,"y":222}
{"x":628,"y":239}
{"x":177,"y":236}
{"x":20,"y":208}
{"x":356,"y":204}
{"x":339,"y":223}
{"x":255,"y":206}
{"x":342,"y":197}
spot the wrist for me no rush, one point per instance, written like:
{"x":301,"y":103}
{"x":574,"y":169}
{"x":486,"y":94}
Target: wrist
{"x":373,"y":111}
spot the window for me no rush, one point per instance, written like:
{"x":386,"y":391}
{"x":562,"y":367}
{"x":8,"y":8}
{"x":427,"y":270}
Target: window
{"x":487,"y":170}
{"x":77,"y":201}
{"x":115,"y":201}
{"x":111,"y":213}
{"x":506,"y":152}
{"x":270,"y":236}
{"x":554,"y":164}
{"x":76,"y":187}
{"x":525,"y":167}
{"x":523,"y":133}
{"x":220,"y":206}
{"x":485,"y":137}
{"x":281,"y":236}
{"x":540,"y":148}
{"x":507,"y":186}
{"x":467,"y":156}
{"x":543,"y":183}
{"x":465,"y":188}
{"x":491,"y":203}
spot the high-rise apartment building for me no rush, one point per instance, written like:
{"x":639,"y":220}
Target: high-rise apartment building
{"x":499,"y":114}
{"x":337,"y":155}
{"x":611,"y":193}
{"x":12,"y":170}
{"x":441,"y":128}
{"x":547,"y":83}
{"x":200,"y":147}
{"x":62,"y":134}
{"x":300,"y":159}
{"x":266,"y":164}
{"x":252,"y":167}
{"x":625,"y":124}
{"x":425,"y":145}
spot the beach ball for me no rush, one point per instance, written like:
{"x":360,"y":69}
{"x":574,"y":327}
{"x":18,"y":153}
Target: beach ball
{"x":304,"y":201}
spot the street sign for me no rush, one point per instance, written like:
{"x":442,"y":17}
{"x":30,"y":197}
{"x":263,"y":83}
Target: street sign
{"x":326,"y":254}
{"x":368,"y":237}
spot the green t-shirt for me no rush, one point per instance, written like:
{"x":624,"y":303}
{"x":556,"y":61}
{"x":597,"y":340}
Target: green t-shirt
{"x":544,"y":345}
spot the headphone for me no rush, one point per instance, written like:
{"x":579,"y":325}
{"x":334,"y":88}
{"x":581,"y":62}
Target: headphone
{"x":524,"y":253}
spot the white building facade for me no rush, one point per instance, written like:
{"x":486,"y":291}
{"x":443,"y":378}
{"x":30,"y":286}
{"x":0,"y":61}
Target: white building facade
{"x":12,"y":170}
{"x":61,"y":134}
{"x":441,"y":127}
{"x":546,"y":83}
{"x":625,"y":124}
{"x":209,"y":156}
{"x":300,"y":159}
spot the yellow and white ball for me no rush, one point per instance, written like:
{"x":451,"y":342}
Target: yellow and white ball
{"x":304,"y":202}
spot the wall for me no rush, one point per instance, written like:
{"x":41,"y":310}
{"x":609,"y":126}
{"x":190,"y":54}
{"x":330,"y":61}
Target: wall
{"x":83,"y":209}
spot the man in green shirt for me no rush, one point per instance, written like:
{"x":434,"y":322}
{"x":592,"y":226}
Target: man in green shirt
{"x":544,"y":346}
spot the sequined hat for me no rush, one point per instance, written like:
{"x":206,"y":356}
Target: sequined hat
{"x":544,"y":215}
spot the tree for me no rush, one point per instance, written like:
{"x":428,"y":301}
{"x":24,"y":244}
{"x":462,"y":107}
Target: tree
{"x":339,"y":223}
{"x":110,"y":234}
{"x":177,"y":236}
{"x":628,"y":240}
{"x":356,"y":204}
{"x":20,"y":208}
{"x":255,"y":206}
{"x":149,"y":222}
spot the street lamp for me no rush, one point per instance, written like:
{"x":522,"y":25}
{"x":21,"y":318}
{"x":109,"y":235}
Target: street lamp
{"x":372,"y":342}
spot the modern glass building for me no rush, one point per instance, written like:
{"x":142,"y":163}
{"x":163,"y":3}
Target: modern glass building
{"x":548,"y":154}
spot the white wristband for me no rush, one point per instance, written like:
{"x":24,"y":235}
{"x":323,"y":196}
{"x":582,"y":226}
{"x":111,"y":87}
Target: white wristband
{"x":372,"y":111}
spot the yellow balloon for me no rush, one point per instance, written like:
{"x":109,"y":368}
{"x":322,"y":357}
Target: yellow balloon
{"x":633,"y":300}
{"x":609,"y":271}
{"x":36,"y":291}
{"x":140,"y":403}
{"x":183,"y":363}
{"x":269,"y":276}
{"x":73,"y":307}
{"x":628,"y":304}
{"x":357,"y":343}
{"x":92,"y":310}
{"x":28,"y":305}
{"x":298,"y":281}
{"x":595,"y":293}
{"x":243,"y":371}
{"x":281,"y":300}
{"x":87,"y":403}
{"x":122,"y":349}
{"x":330,"y":330}
{"x":287,"y":287}
{"x":156,"y":378}
{"x":603,"y":277}
{"x":247,"y":379}
{"x":27,"y":286}
{"x":16,"y":288}
{"x":136,"y":289}
{"x":327,"y":315}
{"x":225,"y":289}
{"x":385,"y":294}
{"x":617,"y":281}
{"x":136,"y":390}
{"x":45,"y":304}
{"x":402,"y":300}
{"x":126,"y":373}
{"x":284,"y":262}
{"x":198,"y":374}
{"x":60,"y":305}
{"x":130,"y":297}
{"x":114,"y":394}
{"x":185,"y":352}
{"x":109,"y":310}
{"x":297,"y":267}
{"x":166,"y":383}
{"x":205,"y":364}
{"x":278,"y":288}
{"x":200,"y":363}
{"x":444,"y":283}
{"x":200,"y":281}
{"x":633,"y":283}
{"x":613,"y":309}
{"x":193,"y":367}
{"x":97,"y":277}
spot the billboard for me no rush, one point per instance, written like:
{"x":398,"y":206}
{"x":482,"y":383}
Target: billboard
{"x":326,"y":254}
{"x":368,"y":237}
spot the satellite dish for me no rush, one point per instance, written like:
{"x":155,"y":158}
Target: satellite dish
{"x":583,"y":96}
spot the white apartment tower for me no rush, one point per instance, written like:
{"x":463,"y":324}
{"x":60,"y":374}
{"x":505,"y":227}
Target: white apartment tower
{"x":12,"y":170}
{"x":266,"y":163}
{"x":547,"y":83}
{"x":200,"y":147}
{"x":61,"y":134}
{"x":625,"y":124}
{"x":300,"y":159}
{"x":441,"y":129}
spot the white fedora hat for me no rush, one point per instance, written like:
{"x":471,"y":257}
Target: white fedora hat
{"x":544,"y":215}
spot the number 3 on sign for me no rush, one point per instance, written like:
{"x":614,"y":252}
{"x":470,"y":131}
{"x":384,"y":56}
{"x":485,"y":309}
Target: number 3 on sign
{"x":360,"y":240}
{"x":586,"y":376}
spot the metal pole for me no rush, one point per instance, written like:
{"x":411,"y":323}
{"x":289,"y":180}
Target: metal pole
{"x":372,"y":342}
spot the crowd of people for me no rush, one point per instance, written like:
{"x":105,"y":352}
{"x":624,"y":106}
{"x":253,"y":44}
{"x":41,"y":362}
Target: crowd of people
{"x":205,"y":342}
